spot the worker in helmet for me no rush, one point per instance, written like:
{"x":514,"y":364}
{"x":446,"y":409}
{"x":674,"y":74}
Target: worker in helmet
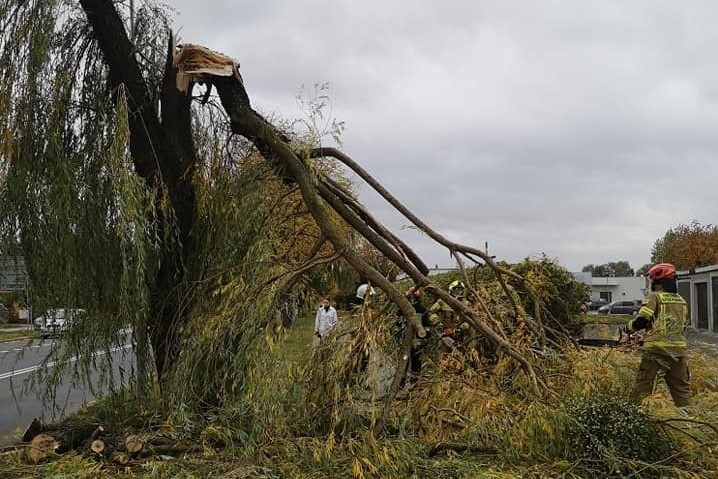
{"x":663,"y":315}
{"x":454,"y":331}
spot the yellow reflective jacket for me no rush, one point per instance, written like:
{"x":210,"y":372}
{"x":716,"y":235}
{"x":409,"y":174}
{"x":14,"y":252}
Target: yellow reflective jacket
{"x":667,"y":314}
{"x":442,"y":313}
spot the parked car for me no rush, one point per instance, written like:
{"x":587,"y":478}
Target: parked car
{"x":594,"y":305}
{"x":56,"y":321}
{"x":620,"y":307}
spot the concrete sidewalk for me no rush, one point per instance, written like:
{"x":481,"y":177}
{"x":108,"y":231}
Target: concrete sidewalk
{"x":699,"y":336}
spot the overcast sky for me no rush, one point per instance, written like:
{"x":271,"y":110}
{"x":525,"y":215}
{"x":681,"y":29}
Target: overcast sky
{"x":579,"y":129}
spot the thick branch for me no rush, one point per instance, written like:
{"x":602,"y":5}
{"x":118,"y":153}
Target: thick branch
{"x":453,"y":247}
{"x":178,"y":164}
{"x":124,"y":70}
{"x":362,"y":213}
{"x":354,"y":166}
{"x":277,"y":150}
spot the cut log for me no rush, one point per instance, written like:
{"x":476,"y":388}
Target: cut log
{"x":134,"y":444}
{"x":120,"y":458}
{"x":98,"y":446}
{"x":42,"y":446}
{"x":72,"y":433}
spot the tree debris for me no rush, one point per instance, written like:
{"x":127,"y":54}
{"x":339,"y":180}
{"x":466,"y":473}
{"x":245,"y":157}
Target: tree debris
{"x":41,"y":447}
{"x":134,"y":444}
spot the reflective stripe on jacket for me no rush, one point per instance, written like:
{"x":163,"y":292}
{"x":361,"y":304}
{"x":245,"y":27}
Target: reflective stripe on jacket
{"x":668,"y":317}
{"x":442,"y":313}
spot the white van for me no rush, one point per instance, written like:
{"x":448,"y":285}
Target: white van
{"x":56,"y":321}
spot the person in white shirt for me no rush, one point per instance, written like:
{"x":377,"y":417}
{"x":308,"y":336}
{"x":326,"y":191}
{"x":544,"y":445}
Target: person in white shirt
{"x":326,"y":319}
{"x":362,"y":292}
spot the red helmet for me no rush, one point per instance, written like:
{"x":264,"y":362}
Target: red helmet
{"x":413,"y":292}
{"x":661,"y":271}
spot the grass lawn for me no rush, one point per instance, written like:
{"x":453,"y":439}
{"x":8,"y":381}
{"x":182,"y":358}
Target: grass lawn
{"x":9,"y":331}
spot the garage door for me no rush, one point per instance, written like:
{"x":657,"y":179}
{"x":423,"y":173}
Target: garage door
{"x":702,"y":305}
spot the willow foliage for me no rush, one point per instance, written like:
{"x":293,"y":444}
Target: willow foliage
{"x":93,"y":231}
{"x":69,"y":200}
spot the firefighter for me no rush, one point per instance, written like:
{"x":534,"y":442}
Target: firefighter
{"x":454,"y":333}
{"x":663,"y":315}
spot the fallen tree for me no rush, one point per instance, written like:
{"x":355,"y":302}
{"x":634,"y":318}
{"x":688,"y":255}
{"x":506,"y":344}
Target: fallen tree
{"x":149,"y":115}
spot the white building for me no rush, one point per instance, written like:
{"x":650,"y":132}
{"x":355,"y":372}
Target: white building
{"x":615,"y":288}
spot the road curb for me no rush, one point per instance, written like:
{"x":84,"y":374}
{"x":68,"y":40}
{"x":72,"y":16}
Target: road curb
{"x":20,"y":338}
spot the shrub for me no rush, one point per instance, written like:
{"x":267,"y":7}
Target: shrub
{"x":560,"y":292}
{"x":606,"y":434}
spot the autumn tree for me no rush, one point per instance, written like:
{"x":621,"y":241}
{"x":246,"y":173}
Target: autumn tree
{"x":643,"y":269}
{"x":687,"y":246}
{"x":619,"y":268}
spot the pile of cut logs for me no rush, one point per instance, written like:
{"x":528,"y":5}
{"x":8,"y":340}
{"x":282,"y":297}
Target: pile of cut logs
{"x":44,"y":442}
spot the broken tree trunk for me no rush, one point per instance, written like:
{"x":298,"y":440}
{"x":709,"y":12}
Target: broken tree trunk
{"x":163,"y":153}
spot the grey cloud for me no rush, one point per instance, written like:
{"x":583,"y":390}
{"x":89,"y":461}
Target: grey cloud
{"x":583,"y":130}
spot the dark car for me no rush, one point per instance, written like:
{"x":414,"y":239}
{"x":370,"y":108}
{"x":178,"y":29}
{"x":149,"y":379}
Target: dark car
{"x":594,"y":305}
{"x":620,"y":307}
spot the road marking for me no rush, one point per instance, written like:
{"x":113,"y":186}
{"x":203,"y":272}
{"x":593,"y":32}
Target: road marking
{"x":53,"y":363}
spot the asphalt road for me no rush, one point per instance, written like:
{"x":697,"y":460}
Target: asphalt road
{"x":18,"y":360}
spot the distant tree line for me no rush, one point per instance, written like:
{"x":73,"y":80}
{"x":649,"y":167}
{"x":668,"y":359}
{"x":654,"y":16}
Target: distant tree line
{"x":687,"y":246}
{"x":620,"y":268}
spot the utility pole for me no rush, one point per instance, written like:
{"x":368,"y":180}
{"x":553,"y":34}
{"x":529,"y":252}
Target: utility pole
{"x":486,"y":250}
{"x":132,"y":20}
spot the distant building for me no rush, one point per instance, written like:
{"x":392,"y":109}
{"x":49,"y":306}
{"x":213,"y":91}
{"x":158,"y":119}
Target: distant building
{"x":13,"y":275}
{"x":699,"y":287}
{"x":614,"y":288}
{"x":432,"y":272}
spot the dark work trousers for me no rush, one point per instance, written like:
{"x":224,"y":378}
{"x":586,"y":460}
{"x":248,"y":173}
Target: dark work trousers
{"x":676,"y":373}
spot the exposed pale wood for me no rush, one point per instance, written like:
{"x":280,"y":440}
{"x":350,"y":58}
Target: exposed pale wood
{"x":98,"y":446}
{"x":134,"y":444}
{"x":120,"y":458}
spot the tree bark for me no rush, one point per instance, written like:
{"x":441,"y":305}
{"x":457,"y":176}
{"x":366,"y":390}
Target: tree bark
{"x":164,"y":156}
